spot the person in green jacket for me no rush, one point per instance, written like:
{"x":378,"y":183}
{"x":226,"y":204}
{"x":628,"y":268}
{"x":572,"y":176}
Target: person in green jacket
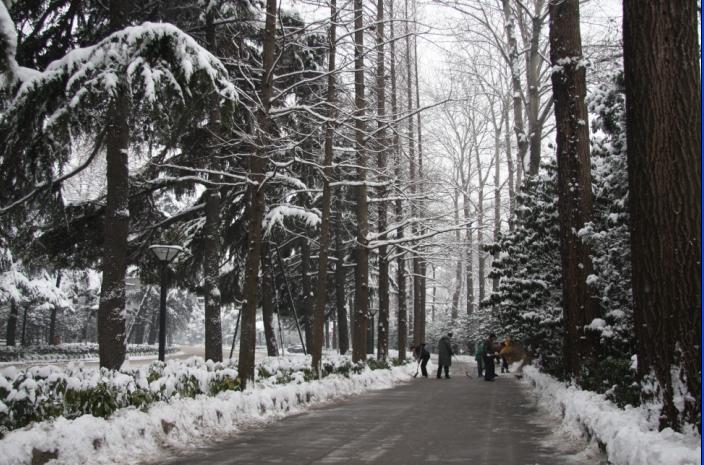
{"x":479,"y":351}
{"x":445,"y":355}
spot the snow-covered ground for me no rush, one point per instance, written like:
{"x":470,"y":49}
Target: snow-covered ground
{"x":132,"y":435}
{"x":626,"y":435}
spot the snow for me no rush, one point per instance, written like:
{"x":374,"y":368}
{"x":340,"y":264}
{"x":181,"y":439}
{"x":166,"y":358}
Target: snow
{"x":626,"y":434}
{"x":131,"y":435}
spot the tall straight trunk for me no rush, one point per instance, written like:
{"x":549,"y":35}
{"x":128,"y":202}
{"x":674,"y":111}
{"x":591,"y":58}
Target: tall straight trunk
{"x":469,"y":257}
{"x":510,"y":168}
{"x":256,"y":201}
{"x":383,"y":329}
{"x":11,"y":329}
{"x":435,"y":289}
{"x":455,"y":311}
{"x":268,"y":304}
{"x":316,"y":348}
{"x":497,"y":197}
{"x":573,"y":178}
{"x":415,"y":259}
{"x":343,"y":329}
{"x":306,"y":291}
{"x":111,"y":309}
{"x":23,"y":336}
{"x":421,"y":184}
{"x":361,"y":209}
{"x":663,"y":120}
{"x":401,"y":316}
{"x":518,"y":125}
{"x":481,"y":254}
{"x":211,"y":246}
{"x":535,"y":126}
{"x":52,"y":318}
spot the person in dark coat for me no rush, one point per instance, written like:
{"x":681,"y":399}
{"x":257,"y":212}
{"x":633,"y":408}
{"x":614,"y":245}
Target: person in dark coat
{"x":424,"y":357}
{"x":489,"y":354}
{"x":445,"y":355}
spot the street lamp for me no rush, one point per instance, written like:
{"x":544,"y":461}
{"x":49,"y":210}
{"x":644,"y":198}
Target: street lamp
{"x":165,"y":254}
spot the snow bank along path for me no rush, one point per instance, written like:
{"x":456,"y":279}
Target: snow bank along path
{"x":131,"y":435}
{"x":625,"y":434}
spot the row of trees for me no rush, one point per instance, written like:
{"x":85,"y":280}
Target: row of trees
{"x":221,"y":138}
{"x":286,"y":150}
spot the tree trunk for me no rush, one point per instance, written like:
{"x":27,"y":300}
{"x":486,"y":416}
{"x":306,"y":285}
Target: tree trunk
{"x":382,"y":150}
{"x":52,"y":319}
{"x":663,"y":117}
{"x":23,"y":336}
{"x":518,"y":126}
{"x":11,"y":330}
{"x":415,"y":259}
{"x":421,"y":184}
{"x":481,"y":254}
{"x":362,"y":253}
{"x":401,"y":316}
{"x":455,"y":311}
{"x":534,"y":59}
{"x":306,"y":291}
{"x":511,"y":169}
{"x":268,"y":305}
{"x":316,"y":348}
{"x":470,"y":257}
{"x":497,"y":197}
{"x":343,"y":329}
{"x":256,"y":202}
{"x":574,"y":179}
{"x":211,"y":252}
{"x":111,"y":310}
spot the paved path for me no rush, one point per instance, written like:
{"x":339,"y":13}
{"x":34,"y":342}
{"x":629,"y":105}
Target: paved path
{"x":428,"y":421}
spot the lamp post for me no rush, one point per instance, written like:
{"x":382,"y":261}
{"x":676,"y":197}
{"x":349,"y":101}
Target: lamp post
{"x":165,"y":254}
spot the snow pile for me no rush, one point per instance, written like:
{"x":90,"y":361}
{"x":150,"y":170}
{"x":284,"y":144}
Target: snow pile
{"x":134,"y":433}
{"x":626,"y":435}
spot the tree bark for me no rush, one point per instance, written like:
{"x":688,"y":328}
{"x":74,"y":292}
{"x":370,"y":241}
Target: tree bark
{"x":481,"y":254}
{"x":361,"y":209}
{"x":268,"y":305}
{"x":455,"y":311}
{"x":518,"y":125}
{"x":306,"y":291}
{"x":511,"y":170}
{"x":415,"y":259}
{"x":343,"y":329}
{"x":52,"y":319}
{"x":382,"y":148}
{"x":111,"y":319}
{"x":211,"y":249}
{"x":421,"y":184}
{"x":11,"y":329}
{"x":574,"y":180}
{"x":401,"y":314}
{"x":497,"y":196}
{"x":316,"y":348}
{"x":256,"y":201}
{"x":533,"y":60}
{"x":469,"y":256}
{"x":663,"y":119}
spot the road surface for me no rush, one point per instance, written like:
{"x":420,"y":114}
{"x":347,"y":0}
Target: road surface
{"x":427,"y":421}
